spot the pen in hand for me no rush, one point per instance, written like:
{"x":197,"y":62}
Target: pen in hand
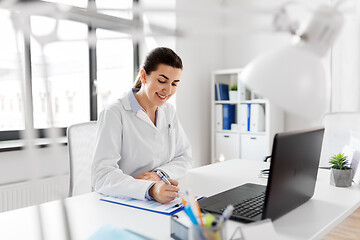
{"x":163,"y":177}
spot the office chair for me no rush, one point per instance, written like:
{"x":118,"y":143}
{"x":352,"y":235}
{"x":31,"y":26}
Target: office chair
{"x":81,"y":143}
{"x":338,"y":126}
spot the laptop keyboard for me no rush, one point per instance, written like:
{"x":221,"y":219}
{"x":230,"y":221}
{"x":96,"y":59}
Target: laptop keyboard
{"x":249,"y":207}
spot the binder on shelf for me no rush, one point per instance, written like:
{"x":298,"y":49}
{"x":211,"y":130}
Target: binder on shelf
{"x":221,"y":91}
{"x":216,"y":92}
{"x":248,"y":116}
{"x":257,"y":118}
{"x":244,"y":93}
{"x":243,"y":121}
{"x":218,"y":117}
{"x":228,"y":116}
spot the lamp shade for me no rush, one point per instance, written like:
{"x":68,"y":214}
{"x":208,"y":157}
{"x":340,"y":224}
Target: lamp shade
{"x":293,"y":78}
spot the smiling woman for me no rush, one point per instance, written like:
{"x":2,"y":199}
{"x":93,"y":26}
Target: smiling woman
{"x":157,"y":88}
{"x":140,"y":134}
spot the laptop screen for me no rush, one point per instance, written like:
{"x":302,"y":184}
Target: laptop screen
{"x":293,"y":171}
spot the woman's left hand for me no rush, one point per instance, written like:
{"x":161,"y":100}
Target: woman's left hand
{"x":152,"y":176}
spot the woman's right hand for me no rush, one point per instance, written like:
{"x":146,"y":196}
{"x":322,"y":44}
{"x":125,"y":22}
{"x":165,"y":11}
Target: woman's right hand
{"x":164,"y":193}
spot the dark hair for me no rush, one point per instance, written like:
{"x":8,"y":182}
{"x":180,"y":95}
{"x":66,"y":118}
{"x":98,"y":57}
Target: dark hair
{"x":161,"y":55}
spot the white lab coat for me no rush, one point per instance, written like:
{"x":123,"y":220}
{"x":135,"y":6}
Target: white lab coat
{"x":128,"y":144}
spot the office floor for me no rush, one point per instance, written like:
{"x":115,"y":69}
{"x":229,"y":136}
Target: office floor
{"x":348,"y":229}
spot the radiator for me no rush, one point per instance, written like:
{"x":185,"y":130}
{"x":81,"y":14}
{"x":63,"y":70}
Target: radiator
{"x":27,"y":193}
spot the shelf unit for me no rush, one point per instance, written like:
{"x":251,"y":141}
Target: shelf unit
{"x":242,"y":141}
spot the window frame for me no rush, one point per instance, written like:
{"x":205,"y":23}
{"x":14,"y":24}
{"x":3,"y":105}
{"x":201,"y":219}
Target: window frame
{"x":11,"y":135}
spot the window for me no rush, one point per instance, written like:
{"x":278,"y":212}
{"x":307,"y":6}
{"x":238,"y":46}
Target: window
{"x":11,"y":110}
{"x":75,"y":3}
{"x":66,"y":79}
{"x":114,"y":65}
{"x":115,"y":56}
{"x":61,"y":91}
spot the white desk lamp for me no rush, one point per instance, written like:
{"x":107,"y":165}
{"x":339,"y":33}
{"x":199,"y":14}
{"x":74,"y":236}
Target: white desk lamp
{"x":293,"y":77}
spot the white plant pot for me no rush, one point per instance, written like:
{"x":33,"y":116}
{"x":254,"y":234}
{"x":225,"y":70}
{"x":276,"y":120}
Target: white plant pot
{"x":233,"y":95}
{"x":340,"y":177}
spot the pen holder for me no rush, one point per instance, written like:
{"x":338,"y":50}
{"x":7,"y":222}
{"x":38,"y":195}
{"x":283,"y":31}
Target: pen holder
{"x":183,"y":230}
{"x":208,"y":233}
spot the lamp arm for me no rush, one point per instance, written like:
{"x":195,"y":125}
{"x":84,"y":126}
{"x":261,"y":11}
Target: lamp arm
{"x":283,"y":22}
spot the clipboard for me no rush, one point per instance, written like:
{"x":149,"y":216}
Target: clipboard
{"x":170,"y":208}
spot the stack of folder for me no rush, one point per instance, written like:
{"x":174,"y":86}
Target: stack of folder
{"x":225,"y":116}
{"x":252,"y":118}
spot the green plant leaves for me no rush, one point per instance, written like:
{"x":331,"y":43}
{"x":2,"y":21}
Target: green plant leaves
{"x":339,"y":161}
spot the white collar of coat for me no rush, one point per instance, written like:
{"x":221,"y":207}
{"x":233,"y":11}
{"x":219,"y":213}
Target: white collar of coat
{"x":125,"y":101}
{"x":140,"y":113}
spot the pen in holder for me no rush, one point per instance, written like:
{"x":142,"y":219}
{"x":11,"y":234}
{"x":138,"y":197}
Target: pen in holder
{"x":217,"y":232}
{"x":182,"y":229}
{"x":195,"y":225}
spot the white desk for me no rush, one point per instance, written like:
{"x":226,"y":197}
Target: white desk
{"x":87,"y":214}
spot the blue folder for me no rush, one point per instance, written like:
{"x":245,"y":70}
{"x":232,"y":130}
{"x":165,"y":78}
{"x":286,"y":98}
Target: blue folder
{"x":216,"y":92}
{"x":223,"y":91}
{"x":228,"y":116}
{"x":248,"y":117}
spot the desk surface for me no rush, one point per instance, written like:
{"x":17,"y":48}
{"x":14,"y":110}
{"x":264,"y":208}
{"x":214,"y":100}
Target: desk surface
{"x":86,"y":214}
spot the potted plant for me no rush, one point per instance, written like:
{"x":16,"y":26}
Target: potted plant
{"x":233,"y":94}
{"x":340,"y":171}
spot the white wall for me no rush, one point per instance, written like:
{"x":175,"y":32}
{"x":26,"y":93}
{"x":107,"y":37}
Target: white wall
{"x":345,"y":59}
{"x":201,"y":55}
{"x":15,"y":165}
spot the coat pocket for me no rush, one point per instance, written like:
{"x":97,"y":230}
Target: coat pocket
{"x":171,"y":142}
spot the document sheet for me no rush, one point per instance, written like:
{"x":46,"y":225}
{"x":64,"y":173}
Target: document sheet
{"x":153,"y":206}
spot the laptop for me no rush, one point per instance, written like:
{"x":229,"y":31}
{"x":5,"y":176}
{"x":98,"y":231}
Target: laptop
{"x":293,"y":171}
